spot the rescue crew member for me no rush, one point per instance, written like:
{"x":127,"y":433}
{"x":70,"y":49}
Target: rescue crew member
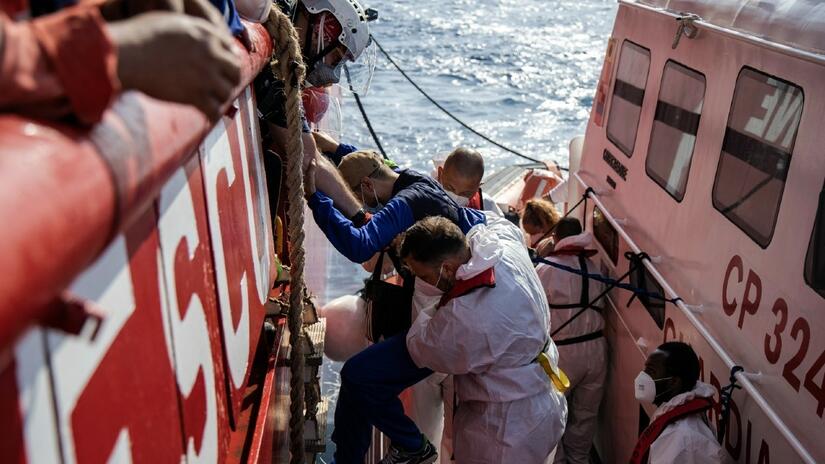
{"x":326,"y":47}
{"x":581,"y":343}
{"x":538,"y":219}
{"x":461,"y":177}
{"x":77,"y":60}
{"x":486,"y":327}
{"x":398,"y":199}
{"x":678,"y":430}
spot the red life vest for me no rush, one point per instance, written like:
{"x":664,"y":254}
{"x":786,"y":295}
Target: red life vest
{"x":476,"y":201}
{"x":486,"y":279}
{"x":652,"y":432}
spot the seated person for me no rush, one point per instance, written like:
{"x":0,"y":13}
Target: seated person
{"x":679,"y":429}
{"x":581,"y":343}
{"x":461,"y":177}
{"x":399,"y":199}
{"x":539,"y":219}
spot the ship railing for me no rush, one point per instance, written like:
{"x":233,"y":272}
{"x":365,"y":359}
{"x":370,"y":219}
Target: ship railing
{"x":741,"y":376}
{"x":66,"y":192}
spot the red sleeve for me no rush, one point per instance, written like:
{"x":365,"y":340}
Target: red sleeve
{"x":83,"y":57}
{"x":58,"y":64}
{"x":475,"y":201}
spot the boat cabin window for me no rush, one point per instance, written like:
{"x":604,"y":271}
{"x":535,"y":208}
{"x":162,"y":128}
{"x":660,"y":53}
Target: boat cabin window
{"x":642,"y":278}
{"x":628,"y":94}
{"x":815,"y":259}
{"x":606,"y":235}
{"x":756,"y":152}
{"x":674,"y":128}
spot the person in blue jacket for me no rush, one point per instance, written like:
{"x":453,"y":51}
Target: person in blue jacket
{"x":398,"y":200}
{"x":372,"y":380}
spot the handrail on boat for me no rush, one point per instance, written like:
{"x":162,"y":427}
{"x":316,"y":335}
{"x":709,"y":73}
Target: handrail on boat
{"x":66,"y":192}
{"x":700,"y":327}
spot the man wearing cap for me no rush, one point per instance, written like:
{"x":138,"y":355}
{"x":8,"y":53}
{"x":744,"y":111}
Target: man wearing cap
{"x":399,"y":199}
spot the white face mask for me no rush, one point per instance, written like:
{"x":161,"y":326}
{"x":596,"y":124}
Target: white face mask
{"x":371,"y":209}
{"x":427,"y":289}
{"x":645,"y":387}
{"x":462,"y":201}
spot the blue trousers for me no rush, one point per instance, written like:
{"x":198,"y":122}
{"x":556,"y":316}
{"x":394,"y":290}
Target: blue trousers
{"x":370,"y":384}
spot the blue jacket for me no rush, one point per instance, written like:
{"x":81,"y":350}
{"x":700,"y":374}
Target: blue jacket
{"x":414,"y":197}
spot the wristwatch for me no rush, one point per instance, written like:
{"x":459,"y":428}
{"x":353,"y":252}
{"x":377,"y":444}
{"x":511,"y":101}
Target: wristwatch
{"x":360,"y":218}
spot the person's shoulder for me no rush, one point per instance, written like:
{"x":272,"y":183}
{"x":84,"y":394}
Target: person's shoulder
{"x":688,"y":436}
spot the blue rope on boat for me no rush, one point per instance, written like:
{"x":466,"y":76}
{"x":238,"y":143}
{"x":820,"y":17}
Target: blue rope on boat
{"x":606,"y":280}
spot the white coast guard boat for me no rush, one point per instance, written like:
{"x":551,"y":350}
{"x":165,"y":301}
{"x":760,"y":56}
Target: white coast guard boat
{"x":704,"y":149}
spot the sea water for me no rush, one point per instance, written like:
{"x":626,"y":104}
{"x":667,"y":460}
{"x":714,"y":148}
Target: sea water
{"x":523,"y":72}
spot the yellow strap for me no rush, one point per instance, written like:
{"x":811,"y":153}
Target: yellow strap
{"x":557,"y":376}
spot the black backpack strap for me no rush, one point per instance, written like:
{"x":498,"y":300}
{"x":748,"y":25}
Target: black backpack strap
{"x":585,"y":295}
{"x":379,"y":265}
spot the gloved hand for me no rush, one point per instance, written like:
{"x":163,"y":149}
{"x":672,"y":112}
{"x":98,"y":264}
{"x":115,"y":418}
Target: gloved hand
{"x":177,"y":58}
{"x":114,"y":10}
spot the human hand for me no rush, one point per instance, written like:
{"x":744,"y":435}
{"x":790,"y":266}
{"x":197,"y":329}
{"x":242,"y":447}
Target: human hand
{"x":309,"y":179}
{"x":115,"y":10}
{"x":324,"y":142}
{"x":177,"y":58}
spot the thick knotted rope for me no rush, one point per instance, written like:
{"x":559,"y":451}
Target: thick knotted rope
{"x":287,"y":64}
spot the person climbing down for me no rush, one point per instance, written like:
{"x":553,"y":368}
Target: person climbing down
{"x":461,"y":176}
{"x":398,"y":199}
{"x":581,"y":343}
{"x":679,"y":431}
{"x":538,"y":219}
{"x":488,"y":327}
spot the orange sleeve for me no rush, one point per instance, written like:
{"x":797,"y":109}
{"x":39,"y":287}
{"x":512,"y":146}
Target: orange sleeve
{"x":58,"y":64}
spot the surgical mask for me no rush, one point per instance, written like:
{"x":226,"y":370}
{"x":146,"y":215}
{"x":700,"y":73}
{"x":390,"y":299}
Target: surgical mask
{"x":323,"y":74}
{"x":645,"y":387}
{"x":427,"y":289}
{"x":462,"y":201}
{"x":371,"y":209}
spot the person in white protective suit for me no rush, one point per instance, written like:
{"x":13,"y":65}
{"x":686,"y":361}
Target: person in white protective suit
{"x":580,"y":340}
{"x":679,"y":431}
{"x":488,"y":328}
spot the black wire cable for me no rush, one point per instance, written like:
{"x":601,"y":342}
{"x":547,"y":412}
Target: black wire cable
{"x":451,"y":115}
{"x":364,"y":114}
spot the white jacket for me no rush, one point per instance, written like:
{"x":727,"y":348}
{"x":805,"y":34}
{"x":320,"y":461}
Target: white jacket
{"x":688,"y":440}
{"x":564,"y":287}
{"x":488,"y":338}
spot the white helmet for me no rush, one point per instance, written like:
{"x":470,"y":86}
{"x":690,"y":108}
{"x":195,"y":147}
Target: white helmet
{"x":355,"y":30}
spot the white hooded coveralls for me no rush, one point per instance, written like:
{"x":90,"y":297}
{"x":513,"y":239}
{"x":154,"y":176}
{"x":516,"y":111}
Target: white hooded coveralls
{"x":690,"y":439}
{"x":585,"y":363}
{"x":488,"y":339}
